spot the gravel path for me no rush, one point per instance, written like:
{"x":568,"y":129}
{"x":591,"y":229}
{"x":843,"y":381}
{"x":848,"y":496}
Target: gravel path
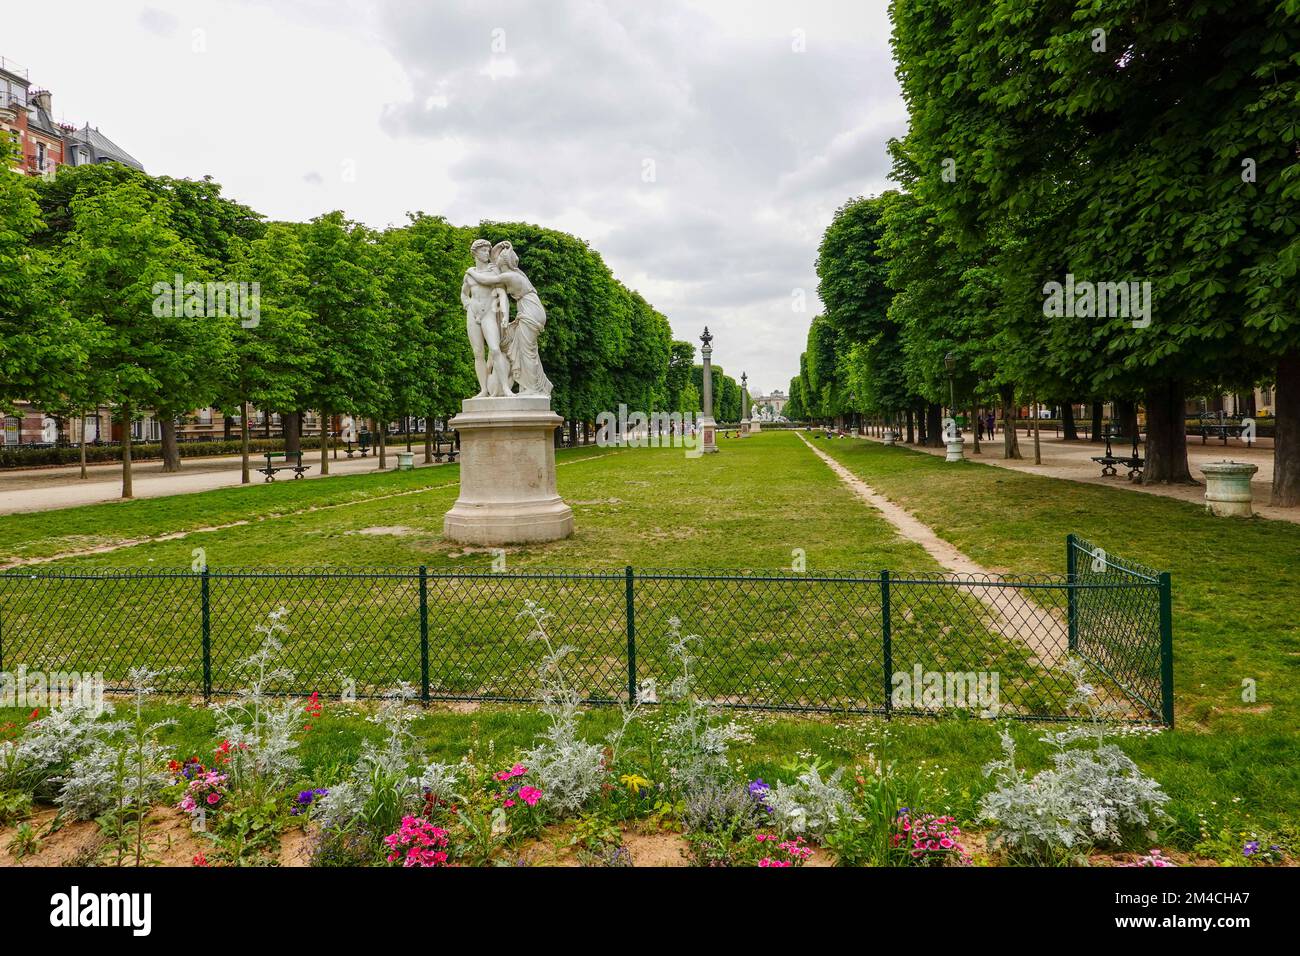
{"x":1012,"y":615}
{"x":48,"y":489}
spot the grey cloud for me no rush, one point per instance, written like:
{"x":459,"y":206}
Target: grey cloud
{"x":754,"y":145}
{"x":158,"y":21}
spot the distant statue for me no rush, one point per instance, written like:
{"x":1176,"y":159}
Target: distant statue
{"x":518,"y":338}
{"x":486,"y":310}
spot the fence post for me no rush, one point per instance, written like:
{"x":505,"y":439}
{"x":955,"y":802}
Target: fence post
{"x":888,"y":642}
{"x":424,"y":634}
{"x":1166,"y":649}
{"x":631,"y":639}
{"x":205,"y":597}
{"x":1072,"y":607}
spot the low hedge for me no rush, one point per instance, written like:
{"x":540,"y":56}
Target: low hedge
{"x":140,"y":451}
{"x":20,"y":457}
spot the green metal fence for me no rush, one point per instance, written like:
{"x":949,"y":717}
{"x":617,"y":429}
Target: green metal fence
{"x":817,"y":641}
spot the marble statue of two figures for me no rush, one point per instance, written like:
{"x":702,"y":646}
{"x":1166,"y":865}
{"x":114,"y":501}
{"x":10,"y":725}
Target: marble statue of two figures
{"x":505,"y":349}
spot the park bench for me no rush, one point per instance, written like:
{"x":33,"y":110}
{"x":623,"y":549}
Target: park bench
{"x":1109,"y":461}
{"x":1222,"y":428}
{"x":363,"y":445}
{"x":449,"y":438}
{"x":292,"y":460}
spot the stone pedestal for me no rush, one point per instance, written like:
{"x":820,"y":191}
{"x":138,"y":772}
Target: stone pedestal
{"x":755,"y":426}
{"x":954,"y":449}
{"x":1227,"y":488}
{"x":507,"y":473}
{"x":745,"y":426}
{"x":708,"y":436}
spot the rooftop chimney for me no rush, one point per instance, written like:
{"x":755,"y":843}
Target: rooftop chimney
{"x":40,"y":98}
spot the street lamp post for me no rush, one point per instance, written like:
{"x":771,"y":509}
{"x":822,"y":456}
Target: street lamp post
{"x":744,"y":405}
{"x":953,"y":438}
{"x":950,"y":363}
{"x":708,"y":427}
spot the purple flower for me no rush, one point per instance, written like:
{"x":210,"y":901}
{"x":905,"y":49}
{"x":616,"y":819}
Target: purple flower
{"x":1251,"y":848}
{"x":305,"y":799}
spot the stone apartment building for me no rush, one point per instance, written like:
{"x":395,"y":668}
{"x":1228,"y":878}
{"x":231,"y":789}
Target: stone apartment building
{"x":42,"y":146}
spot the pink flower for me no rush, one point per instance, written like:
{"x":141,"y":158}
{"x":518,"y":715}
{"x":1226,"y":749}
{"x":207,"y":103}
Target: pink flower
{"x":530,"y":795}
{"x":508,"y":803}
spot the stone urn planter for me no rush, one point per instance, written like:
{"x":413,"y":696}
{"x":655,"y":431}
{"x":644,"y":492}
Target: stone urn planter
{"x":1227,"y":488}
{"x":890,"y":437}
{"x":405,"y":461}
{"x":954,"y":449}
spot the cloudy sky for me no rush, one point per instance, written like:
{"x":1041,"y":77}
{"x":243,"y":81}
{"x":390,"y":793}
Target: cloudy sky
{"x":701,"y":147}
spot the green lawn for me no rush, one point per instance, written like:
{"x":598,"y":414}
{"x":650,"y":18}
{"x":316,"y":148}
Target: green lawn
{"x":1235,"y":585}
{"x":756,"y":505}
{"x":809,"y":641}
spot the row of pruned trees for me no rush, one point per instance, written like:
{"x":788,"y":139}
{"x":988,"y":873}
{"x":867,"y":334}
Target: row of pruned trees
{"x":350,"y":320}
{"x":1127,"y":143}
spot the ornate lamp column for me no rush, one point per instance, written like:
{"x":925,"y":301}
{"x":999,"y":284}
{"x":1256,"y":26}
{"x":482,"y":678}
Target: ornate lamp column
{"x":744,"y":405}
{"x":952,"y":434}
{"x":708,"y":427}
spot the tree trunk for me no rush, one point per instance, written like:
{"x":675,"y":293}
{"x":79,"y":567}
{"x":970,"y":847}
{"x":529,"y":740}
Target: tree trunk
{"x":171,"y":452}
{"x":1097,"y":409}
{"x":127,"y":490}
{"x":324,"y":442}
{"x":1038,"y":450}
{"x":380,"y":434}
{"x":428,"y":439}
{"x":227,"y":425}
{"x":1069,"y":430}
{"x":1010,"y":440}
{"x":1126,"y":418}
{"x":911,"y":429}
{"x":1286,"y":434}
{"x":245,"y":475}
{"x":83,"y":439}
{"x":291,"y":425}
{"x":1166,"y":448}
{"x":975,"y":426}
{"x":933,"y":425}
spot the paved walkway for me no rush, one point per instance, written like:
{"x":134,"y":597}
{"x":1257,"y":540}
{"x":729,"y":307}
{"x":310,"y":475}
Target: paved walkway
{"x":1073,"y":462}
{"x":47,"y":489}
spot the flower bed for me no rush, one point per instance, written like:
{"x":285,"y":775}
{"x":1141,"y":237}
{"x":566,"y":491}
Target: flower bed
{"x":662,"y":788}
